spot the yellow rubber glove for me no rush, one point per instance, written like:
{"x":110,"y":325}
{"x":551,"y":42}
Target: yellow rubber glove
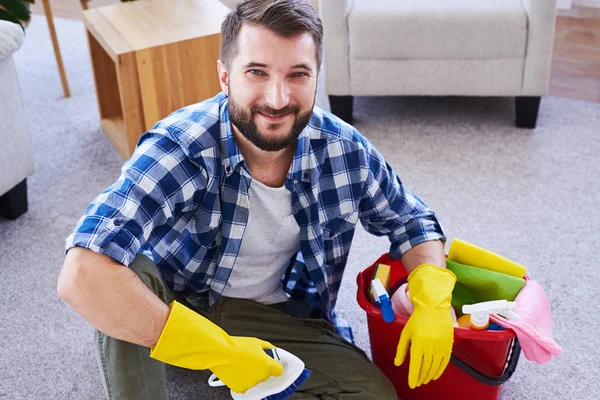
{"x":191,"y":341}
{"x":429,"y":331}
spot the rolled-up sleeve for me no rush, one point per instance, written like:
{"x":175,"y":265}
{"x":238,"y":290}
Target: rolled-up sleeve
{"x":156,"y":185}
{"x":388,"y":208}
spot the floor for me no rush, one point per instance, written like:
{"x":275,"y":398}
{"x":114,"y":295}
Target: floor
{"x":509,"y":190}
{"x":576,"y":59}
{"x":575,"y":63}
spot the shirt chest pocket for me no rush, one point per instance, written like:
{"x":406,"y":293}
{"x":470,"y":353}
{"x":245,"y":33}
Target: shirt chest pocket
{"x":207,"y":228}
{"x":335,"y":227}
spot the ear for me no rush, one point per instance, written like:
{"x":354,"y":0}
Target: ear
{"x":223,"y":77}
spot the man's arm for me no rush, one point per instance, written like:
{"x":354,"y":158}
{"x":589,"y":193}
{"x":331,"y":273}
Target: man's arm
{"x":95,"y":279}
{"x":431,"y":252}
{"x":388,"y":208}
{"x":111,"y":297}
{"x":114,"y":300}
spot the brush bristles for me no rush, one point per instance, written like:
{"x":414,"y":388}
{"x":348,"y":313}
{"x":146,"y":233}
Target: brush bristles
{"x":290,"y":389}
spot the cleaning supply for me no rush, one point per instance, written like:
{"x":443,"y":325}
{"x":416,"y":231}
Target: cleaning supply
{"x":495,"y":327}
{"x":429,"y":332}
{"x":480,"y":312}
{"x":189,"y":340}
{"x":276,"y":387}
{"x":534,"y":329}
{"x":469,"y":254}
{"x":465,"y":322}
{"x":402,"y":305}
{"x":382,"y":300}
{"x":476,"y":285}
{"x":382,"y":272}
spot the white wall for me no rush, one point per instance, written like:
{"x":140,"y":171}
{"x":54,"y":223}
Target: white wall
{"x":587,"y":3}
{"x":564,"y":4}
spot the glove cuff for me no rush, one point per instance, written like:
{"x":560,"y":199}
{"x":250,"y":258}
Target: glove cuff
{"x":433,"y":270}
{"x":431,"y":286}
{"x":187,"y":336}
{"x":168,"y":335}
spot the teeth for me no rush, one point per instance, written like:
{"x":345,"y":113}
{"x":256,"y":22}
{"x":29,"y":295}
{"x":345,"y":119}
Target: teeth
{"x":272,"y":116}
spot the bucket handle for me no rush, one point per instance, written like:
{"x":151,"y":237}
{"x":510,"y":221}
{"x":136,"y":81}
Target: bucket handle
{"x":488,"y":380}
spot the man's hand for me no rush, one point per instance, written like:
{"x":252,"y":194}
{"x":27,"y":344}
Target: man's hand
{"x":429,"y":331}
{"x":191,"y":341}
{"x":250,"y":366}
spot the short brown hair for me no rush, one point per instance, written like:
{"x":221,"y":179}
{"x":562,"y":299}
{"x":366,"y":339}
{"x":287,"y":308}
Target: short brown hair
{"x":286,"y":18}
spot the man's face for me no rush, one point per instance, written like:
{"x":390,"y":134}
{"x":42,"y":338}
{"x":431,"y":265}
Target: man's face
{"x":271,"y":85}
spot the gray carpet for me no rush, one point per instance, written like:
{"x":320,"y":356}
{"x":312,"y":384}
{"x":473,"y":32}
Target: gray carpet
{"x":529,"y":195}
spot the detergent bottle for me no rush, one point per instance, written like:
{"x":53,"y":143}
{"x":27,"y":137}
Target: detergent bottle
{"x":479,"y":313}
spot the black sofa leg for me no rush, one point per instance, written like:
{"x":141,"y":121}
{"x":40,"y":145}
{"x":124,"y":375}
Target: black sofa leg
{"x":527,"y":111}
{"x":13,"y":203}
{"x":342,"y":107}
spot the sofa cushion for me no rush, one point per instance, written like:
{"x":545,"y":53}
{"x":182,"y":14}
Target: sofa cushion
{"x":11,"y":38}
{"x":437,"y":29}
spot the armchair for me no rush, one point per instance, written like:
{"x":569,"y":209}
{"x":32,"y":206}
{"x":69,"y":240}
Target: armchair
{"x":438,"y":48}
{"x":16,"y":149}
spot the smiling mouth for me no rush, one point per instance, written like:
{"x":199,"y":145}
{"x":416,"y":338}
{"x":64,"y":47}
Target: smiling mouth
{"x":273,"y":116}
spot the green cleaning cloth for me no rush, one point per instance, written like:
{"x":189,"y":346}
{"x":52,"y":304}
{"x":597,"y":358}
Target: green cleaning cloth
{"x":475,"y":285}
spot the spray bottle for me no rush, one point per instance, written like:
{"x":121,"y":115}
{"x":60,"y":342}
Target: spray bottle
{"x":382,"y":300}
{"x":480,"y":312}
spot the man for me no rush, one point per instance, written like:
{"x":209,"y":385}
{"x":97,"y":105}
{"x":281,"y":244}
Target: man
{"x":235,"y":217}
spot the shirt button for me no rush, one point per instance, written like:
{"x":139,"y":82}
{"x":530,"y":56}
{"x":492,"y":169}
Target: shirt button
{"x":228,"y":169}
{"x":117,"y":222}
{"x":331,"y":234}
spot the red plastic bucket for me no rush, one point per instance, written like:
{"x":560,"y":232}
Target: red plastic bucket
{"x":481,"y":360}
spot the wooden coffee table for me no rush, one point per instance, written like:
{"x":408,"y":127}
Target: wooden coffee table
{"x":151,"y":58}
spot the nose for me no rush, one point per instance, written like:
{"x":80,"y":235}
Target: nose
{"x":277,"y":95}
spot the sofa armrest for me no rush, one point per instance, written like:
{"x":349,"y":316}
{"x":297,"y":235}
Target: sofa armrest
{"x":16,"y":148}
{"x":541,"y":18}
{"x":11,"y":39}
{"x":336,"y":48}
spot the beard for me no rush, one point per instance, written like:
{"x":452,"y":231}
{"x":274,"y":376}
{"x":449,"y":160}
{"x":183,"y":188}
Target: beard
{"x":243,"y":120}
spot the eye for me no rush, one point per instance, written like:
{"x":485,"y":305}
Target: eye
{"x":256,"y":72}
{"x":299,"y":74}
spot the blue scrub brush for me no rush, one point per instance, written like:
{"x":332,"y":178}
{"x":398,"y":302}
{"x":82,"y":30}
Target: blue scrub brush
{"x":276,"y":387}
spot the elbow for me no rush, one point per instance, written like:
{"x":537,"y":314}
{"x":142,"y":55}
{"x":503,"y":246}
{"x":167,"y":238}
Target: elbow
{"x":71,"y":279}
{"x":67,"y":282}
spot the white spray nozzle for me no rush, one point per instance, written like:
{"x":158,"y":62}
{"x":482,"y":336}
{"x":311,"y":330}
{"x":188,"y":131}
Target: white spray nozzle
{"x":489,"y":307}
{"x":480,"y":311}
{"x":378,"y":288}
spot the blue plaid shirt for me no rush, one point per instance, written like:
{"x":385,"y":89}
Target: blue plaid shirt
{"x":182,"y":198}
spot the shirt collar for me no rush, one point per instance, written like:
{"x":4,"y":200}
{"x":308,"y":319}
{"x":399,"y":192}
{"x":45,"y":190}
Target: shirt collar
{"x":232,"y":156}
{"x":304,"y":165}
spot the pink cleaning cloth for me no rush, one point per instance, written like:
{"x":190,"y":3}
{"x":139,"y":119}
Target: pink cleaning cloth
{"x":534,"y":330}
{"x":401,"y":303}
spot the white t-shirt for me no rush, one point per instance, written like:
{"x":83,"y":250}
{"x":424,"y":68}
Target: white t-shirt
{"x":271,"y":238}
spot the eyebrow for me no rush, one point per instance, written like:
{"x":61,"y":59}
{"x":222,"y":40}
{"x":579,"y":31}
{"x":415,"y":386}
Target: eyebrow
{"x":303,"y":66}
{"x":261,"y":65}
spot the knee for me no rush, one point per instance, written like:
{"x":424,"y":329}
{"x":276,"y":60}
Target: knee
{"x":367,"y":383}
{"x":375,"y":386}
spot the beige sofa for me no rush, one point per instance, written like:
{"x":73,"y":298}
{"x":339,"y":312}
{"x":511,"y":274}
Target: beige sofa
{"x":438,"y":47}
{"x":16,"y":149}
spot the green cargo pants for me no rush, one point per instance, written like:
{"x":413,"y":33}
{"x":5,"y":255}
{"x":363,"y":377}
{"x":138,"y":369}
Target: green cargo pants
{"x":340,"y":370}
